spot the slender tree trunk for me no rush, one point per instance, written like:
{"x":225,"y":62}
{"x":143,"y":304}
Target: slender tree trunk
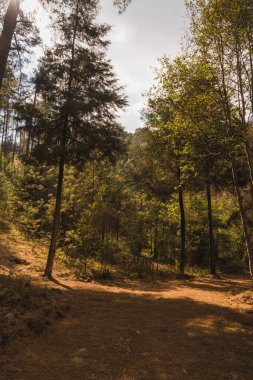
{"x":28,"y":143}
{"x":57,"y":211}
{"x":103,"y":229}
{"x":20,"y":144}
{"x":3,"y":131}
{"x":210,"y":227}
{"x":250,"y":53}
{"x":139,"y":242}
{"x":155,"y":249}
{"x":30,"y":127}
{"x":93,"y":182}
{"x":6,"y":132}
{"x":250,"y":166}
{"x":245,"y":222}
{"x":117,"y":226}
{"x":151,"y":242}
{"x":182,"y":227}
{"x":140,"y":233}
{"x":9,"y":26}
{"x":15,"y":143}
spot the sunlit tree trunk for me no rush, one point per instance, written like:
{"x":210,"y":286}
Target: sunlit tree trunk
{"x":9,"y":26}
{"x":3,"y":131}
{"x":245,"y":222}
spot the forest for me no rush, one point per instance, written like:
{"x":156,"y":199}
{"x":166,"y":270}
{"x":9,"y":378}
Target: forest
{"x":178,"y":192}
{"x":174,"y":199}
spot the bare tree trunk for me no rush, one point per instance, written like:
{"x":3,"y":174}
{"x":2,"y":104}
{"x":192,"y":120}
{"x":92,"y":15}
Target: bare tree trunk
{"x":140,"y":236}
{"x":151,"y":242}
{"x":210,"y":227}
{"x":155,"y":249}
{"x":93,"y":181}
{"x":103,"y":229}
{"x":182,"y":227}
{"x":15,"y":143}
{"x":3,"y":131}
{"x":118,"y":226}
{"x":52,"y":248}
{"x":250,"y":167}
{"x":6,"y":130}
{"x":250,"y":53}
{"x":245,"y":222}
{"x":10,"y":22}
{"x":28,"y":143}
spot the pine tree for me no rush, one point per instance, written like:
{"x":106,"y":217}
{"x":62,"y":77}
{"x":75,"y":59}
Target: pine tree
{"x":81,"y":95}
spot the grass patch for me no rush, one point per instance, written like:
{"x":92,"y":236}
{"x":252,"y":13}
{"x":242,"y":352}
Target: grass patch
{"x":25,"y":308}
{"x":17,"y":292}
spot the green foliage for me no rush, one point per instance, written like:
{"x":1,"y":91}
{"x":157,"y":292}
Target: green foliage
{"x":124,"y":196}
{"x":33,"y":202}
{"x":6,"y":196}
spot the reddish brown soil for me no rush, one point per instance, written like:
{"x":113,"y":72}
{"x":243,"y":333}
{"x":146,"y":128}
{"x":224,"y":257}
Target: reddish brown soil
{"x":133,"y":330}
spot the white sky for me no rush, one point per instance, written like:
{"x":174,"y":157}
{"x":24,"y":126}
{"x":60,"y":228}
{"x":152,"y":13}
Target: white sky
{"x":145,"y":32}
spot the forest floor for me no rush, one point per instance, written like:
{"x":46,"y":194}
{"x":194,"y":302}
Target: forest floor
{"x":125,"y":330}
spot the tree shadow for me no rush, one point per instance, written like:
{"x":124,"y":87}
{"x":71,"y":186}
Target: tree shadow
{"x":157,"y":286}
{"x":113,"y":334}
{"x":149,"y":285}
{"x":223,"y":285}
{"x":57,"y":282}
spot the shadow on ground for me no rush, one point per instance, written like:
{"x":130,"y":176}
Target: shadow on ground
{"x":119,"y":335}
{"x":238,"y":285}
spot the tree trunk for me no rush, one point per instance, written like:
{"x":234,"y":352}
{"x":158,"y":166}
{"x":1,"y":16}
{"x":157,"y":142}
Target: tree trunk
{"x":28,"y":143}
{"x":210,"y":227}
{"x":182,"y":228}
{"x":15,"y":143}
{"x":245,"y":221}
{"x":250,"y":166}
{"x":118,"y":226}
{"x":155,"y":249}
{"x":3,"y":132}
{"x":6,"y":130}
{"x":52,"y":248}
{"x":103,"y":229}
{"x":10,"y":22}
{"x":57,"y":214}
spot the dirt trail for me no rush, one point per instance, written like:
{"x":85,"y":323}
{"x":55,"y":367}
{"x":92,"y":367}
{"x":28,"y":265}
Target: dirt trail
{"x":135,"y":330}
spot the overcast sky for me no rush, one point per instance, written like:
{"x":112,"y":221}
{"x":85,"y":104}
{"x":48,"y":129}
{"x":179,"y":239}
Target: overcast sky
{"x":145,"y":32}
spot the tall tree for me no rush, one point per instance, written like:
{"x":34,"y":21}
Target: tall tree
{"x":82,"y":96}
{"x":186,"y":105}
{"x":222,"y":32}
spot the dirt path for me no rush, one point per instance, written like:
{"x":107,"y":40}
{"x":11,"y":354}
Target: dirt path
{"x":131,"y":330}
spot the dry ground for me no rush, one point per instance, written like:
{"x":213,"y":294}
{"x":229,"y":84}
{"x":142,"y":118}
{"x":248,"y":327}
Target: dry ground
{"x":128,"y":330}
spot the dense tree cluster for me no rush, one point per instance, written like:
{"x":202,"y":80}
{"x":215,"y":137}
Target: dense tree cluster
{"x":175,"y":194}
